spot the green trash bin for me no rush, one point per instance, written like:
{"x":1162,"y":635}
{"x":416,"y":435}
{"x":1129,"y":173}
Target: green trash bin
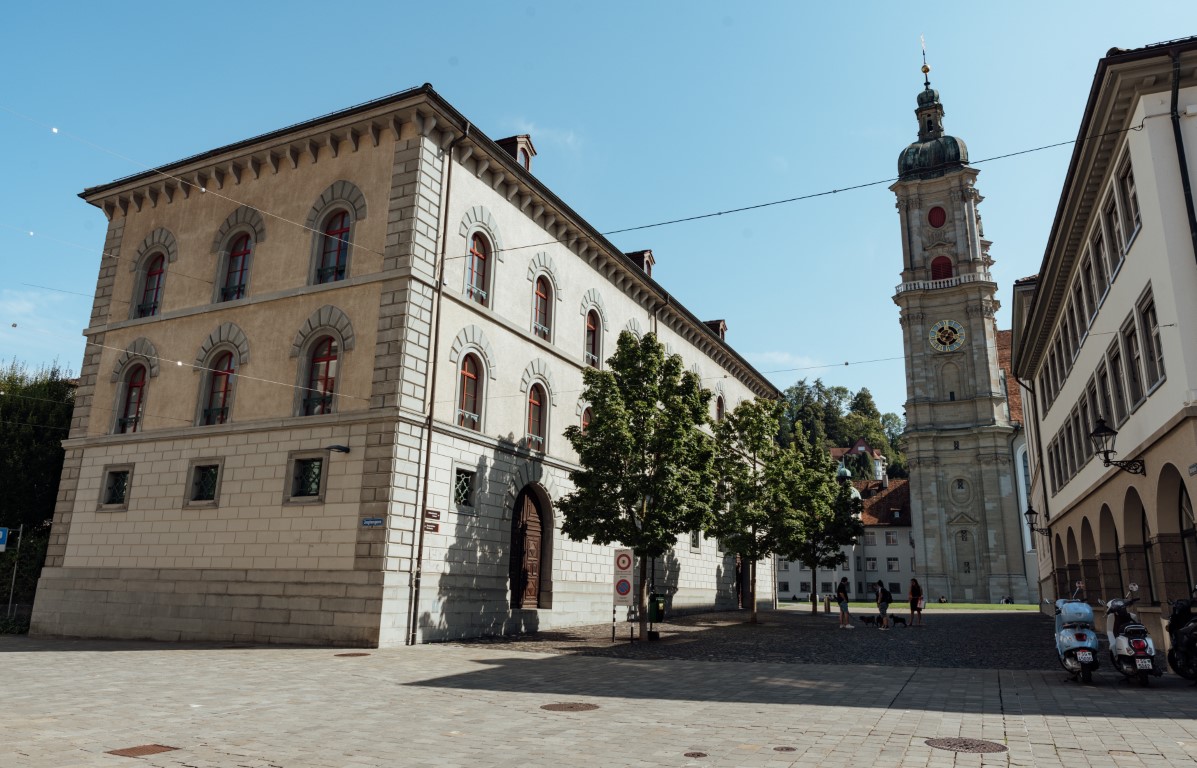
{"x":656,"y":607}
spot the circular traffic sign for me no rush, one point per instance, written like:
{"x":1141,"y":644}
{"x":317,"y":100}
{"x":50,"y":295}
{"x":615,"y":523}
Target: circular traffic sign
{"x":623,"y":561}
{"x":623,"y":587}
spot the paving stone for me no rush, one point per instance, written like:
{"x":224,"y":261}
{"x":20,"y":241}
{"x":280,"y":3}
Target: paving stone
{"x":838,"y":698}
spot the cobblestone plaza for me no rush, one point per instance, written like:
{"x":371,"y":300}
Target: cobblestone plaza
{"x":714,"y":692}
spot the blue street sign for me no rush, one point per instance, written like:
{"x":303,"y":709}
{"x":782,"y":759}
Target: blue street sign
{"x":372,"y":522}
{"x":3,"y":538}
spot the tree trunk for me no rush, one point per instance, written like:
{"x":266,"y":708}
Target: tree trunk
{"x":642,"y":599}
{"x":814,"y":575}
{"x":752,"y":589}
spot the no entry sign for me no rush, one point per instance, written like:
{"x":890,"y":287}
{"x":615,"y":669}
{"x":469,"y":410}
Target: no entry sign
{"x":623,"y":577}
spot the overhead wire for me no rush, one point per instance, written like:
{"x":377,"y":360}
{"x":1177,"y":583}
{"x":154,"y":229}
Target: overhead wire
{"x":205,"y":190}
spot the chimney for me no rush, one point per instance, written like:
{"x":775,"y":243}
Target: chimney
{"x":718,"y":326}
{"x":520,"y":147}
{"x":644,"y":260}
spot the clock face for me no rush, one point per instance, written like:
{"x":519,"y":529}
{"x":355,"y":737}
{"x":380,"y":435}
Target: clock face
{"x":946,"y":336}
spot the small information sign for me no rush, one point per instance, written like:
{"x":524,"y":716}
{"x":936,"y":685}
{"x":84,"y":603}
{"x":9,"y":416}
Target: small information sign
{"x":433,"y":514}
{"x":623,"y":577}
{"x":432,"y":527}
{"x":3,"y":539}
{"x":372,"y":522}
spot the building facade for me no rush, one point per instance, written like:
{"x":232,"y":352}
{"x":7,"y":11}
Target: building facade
{"x":1101,"y":333}
{"x":959,"y":437}
{"x":885,"y":552}
{"x":327,"y":374}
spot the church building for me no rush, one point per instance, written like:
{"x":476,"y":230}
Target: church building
{"x":961,"y":441}
{"x":326,"y":379}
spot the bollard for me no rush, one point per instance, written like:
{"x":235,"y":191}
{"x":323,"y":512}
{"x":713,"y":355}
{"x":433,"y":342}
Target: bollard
{"x":826,"y":603}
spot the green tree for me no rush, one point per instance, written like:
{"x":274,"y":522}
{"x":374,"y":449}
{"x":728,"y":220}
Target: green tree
{"x":827,"y":512}
{"x":35,"y":417}
{"x":647,"y":469}
{"x":863,"y":405}
{"x":751,"y":517}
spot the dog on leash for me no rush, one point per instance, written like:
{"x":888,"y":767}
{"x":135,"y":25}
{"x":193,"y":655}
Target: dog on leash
{"x":869,"y":620}
{"x":898,"y":621}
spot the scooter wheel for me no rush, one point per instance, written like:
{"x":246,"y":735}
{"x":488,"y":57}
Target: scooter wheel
{"x":1086,"y":675}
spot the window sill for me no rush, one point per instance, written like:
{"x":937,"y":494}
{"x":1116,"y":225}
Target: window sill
{"x":303,"y":501}
{"x":1159,"y":383}
{"x":112,"y":507}
{"x":1131,"y":241}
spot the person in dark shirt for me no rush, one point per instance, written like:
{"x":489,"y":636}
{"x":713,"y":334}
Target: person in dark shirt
{"x":841,"y":599}
{"x":884,"y":598}
{"x":916,"y":603}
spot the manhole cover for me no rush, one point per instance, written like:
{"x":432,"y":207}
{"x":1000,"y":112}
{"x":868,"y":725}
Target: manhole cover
{"x":570,"y":706}
{"x":346,"y":655}
{"x":695,"y":754}
{"x":785,"y":749}
{"x":965,"y":745}
{"x":142,"y":751}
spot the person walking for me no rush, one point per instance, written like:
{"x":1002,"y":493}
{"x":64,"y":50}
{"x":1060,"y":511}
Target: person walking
{"x":884,"y":598}
{"x":916,"y":603}
{"x":841,"y":599}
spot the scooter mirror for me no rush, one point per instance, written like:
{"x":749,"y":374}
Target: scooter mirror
{"x":1101,"y":602}
{"x":1134,"y":587}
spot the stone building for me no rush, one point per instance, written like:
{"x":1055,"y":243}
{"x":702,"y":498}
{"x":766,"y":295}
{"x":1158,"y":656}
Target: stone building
{"x":327,"y":374}
{"x":1101,"y":339}
{"x":960,"y":439}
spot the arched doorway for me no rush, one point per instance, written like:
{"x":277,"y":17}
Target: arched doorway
{"x":530,"y":551}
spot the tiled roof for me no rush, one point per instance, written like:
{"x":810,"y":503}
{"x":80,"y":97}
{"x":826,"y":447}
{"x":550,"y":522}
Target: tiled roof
{"x":881,"y":503}
{"x":1028,"y":279}
{"x":1005,"y":340}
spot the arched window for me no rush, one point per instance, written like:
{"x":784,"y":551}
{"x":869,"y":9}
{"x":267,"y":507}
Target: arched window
{"x":469,"y":404}
{"x":476,"y":269}
{"x":236,"y":273}
{"x":151,"y":287}
{"x":1188,"y":536}
{"x":536,"y":417}
{"x":334,"y":248}
{"x":322,"y":377}
{"x":591,"y":351}
{"x":218,"y":396}
{"x":134,"y":400}
{"x":587,"y":417}
{"x":941,"y":268}
{"x":719,"y":408}
{"x":541,"y":300}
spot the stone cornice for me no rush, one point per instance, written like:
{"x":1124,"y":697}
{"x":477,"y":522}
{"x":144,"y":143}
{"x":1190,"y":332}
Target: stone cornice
{"x":433,"y":118}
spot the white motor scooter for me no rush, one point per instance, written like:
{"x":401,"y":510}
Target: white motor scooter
{"x":1076,"y":637}
{"x":1131,"y":649}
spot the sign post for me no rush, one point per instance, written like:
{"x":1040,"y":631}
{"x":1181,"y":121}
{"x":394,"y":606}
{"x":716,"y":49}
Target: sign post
{"x":623,"y":584}
{"x":16,"y":557}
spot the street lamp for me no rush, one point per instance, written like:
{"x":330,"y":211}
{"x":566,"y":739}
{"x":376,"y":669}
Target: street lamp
{"x":1103,"y":438}
{"x":1033,"y":517}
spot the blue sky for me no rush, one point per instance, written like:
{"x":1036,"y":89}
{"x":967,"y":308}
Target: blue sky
{"x":641,"y":112}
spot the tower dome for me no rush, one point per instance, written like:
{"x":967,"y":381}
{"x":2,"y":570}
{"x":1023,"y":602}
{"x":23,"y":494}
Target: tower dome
{"x":935,"y":153}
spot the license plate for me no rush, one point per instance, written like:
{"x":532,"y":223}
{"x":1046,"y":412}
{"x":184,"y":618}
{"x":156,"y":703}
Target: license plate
{"x":1084,"y":657}
{"x":1143,"y":663}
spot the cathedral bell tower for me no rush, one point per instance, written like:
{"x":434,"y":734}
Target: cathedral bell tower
{"x":958,"y":429}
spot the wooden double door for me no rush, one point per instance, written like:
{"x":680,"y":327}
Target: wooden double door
{"x":527,"y":550}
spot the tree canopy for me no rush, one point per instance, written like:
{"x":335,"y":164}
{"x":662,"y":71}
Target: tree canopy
{"x":751,"y":517}
{"x":836,"y":417}
{"x":647,"y":468}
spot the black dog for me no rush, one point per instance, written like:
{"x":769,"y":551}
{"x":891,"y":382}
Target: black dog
{"x":869,"y":620}
{"x":898,"y":620}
